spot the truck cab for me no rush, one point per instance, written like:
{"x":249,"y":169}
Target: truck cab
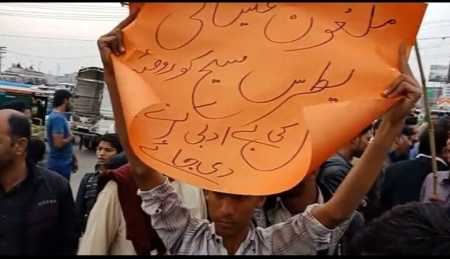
{"x":92,"y":111}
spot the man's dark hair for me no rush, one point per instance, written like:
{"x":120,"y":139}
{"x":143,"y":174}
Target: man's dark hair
{"x":410,"y":229}
{"x":16,"y":105}
{"x":112,"y":139}
{"x":408,"y":131}
{"x":376,"y":125}
{"x":117,"y":161}
{"x":411,"y":121}
{"x":443,"y":122}
{"x":365,"y":130}
{"x":440,"y":138}
{"x":60,"y":96}
{"x":19,"y":126}
{"x":36,"y":150}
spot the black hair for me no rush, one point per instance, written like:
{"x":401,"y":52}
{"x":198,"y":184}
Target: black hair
{"x":408,"y":131}
{"x":411,"y":229}
{"x":36,"y":150}
{"x":411,"y":121}
{"x":60,"y":96}
{"x":443,"y":122}
{"x":16,"y":105}
{"x":19,"y":126}
{"x":376,"y":125}
{"x":113,"y":139}
{"x":365,"y":130}
{"x":440,"y":138}
{"x":116,"y":161}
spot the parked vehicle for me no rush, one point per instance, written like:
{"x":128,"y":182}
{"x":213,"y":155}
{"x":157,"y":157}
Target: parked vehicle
{"x":36,"y":98}
{"x":92,"y":112}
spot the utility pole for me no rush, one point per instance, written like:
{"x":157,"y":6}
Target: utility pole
{"x":2,"y":51}
{"x":428,"y":119}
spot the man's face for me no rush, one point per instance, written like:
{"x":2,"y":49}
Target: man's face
{"x":361,"y":143}
{"x":69,"y":104}
{"x":105,"y":152}
{"x":231,"y":213}
{"x":27,"y":113}
{"x":414,"y":138}
{"x":6,"y":145}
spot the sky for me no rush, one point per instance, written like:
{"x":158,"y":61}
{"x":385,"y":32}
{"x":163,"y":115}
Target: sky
{"x":76,"y":25}
{"x":59,"y":38}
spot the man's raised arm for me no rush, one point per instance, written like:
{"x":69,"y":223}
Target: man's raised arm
{"x":112,"y":44}
{"x":360,"y":179}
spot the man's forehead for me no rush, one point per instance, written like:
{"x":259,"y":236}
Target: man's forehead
{"x":5,"y":114}
{"x":105,"y":143}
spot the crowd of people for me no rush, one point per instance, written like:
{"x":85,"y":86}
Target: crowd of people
{"x":374,"y":196}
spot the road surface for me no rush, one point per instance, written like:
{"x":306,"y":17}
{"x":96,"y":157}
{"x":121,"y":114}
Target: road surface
{"x":86,"y":163}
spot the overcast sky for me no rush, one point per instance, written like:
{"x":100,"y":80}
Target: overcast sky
{"x":78,"y":25}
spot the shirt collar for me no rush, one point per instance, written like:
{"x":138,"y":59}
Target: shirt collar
{"x":250,"y":235}
{"x":31,"y":177}
{"x":429,"y":157}
{"x":279,"y":206}
{"x":341,"y":157}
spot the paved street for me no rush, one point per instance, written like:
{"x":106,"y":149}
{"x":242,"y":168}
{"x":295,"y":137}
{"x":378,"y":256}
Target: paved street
{"x":86,"y":163}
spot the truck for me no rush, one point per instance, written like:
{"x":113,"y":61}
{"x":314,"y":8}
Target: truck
{"x":91,"y":114}
{"x":38,"y":99}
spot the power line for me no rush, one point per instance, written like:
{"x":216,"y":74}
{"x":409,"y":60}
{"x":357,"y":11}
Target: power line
{"x":93,"y":15}
{"x":65,"y":17}
{"x":62,"y":11}
{"x":63,"y":8}
{"x":435,"y":22}
{"x":65,"y":5}
{"x":60,"y":18}
{"x":435,"y":38}
{"x":44,"y":38}
{"x":47,"y":57}
{"x":66,"y":11}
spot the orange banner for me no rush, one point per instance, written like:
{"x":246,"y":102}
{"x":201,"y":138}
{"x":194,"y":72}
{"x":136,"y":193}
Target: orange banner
{"x":248,"y":98}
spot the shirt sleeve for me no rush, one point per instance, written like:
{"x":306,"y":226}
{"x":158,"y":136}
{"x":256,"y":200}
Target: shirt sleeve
{"x":170,"y":218}
{"x":103,"y":223}
{"x":192,"y":198}
{"x":303,"y":234}
{"x":58,"y":125}
{"x":330,"y":178}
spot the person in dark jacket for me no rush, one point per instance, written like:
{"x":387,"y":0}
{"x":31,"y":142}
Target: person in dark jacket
{"x":36,"y":146}
{"x":403,"y":181}
{"x":281,"y":207}
{"x":410,"y":229}
{"x":108,"y":146}
{"x":333,"y":171}
{"x":403,"y":145}
{"x":36,"y":151}
{"x":37,"y":210}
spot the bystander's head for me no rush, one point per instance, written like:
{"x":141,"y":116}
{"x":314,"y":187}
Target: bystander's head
{"x":410,"y":229}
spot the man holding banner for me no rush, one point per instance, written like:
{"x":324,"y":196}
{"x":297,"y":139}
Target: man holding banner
{"x":232,"y":231}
